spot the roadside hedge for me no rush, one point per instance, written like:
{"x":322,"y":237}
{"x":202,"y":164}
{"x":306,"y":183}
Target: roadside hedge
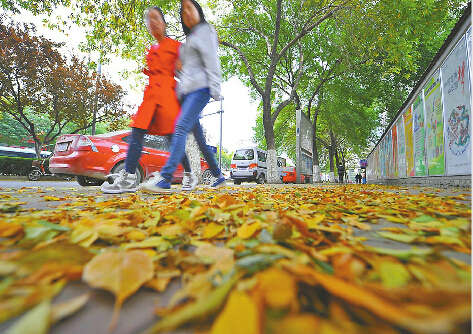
{"x":15,"y":166}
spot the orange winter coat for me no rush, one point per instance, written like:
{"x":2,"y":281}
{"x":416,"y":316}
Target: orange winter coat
{"x":159,"y":110}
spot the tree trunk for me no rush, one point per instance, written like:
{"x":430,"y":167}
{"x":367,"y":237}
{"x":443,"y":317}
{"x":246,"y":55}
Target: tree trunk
{"x":37,"y":148}
{"x":193,"y":154}
{"x":332,"y":167}
{"x":332,"y":152}
{"x":272,"y":175}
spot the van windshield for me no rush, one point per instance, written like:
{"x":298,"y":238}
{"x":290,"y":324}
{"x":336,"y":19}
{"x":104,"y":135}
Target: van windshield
{"x":244,"y":155}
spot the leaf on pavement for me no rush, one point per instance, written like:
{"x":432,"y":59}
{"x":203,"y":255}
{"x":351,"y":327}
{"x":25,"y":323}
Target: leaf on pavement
{"x":121,"y":273}
{"x":277,"y":287}
{"x":239,"y":316}
{"x":195,"y":310}
{"x":65,"y":309}
{"x":212,"y":230}
{"x":248,"y":230}
{"x":36,"y":321}
{"x":401,"y":237}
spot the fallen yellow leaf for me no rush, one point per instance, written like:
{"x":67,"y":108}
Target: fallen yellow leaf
{"x":212,"y":230}
{"x":121,"y":273}
{"x":247,"y":230}
{"x":240,"y":316}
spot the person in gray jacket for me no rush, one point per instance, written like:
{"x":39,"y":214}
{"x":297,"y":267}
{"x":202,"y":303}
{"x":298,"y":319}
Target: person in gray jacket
{"x":199,"y":79}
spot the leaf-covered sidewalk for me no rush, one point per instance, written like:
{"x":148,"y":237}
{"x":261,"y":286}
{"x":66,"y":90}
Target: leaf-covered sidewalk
{"x":327,"y":259}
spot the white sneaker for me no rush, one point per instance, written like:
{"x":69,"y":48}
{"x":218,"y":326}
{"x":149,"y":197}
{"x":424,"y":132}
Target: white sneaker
{"x":189,"y":182}
{"x":156,"y":184}
{"x":122,"y":182}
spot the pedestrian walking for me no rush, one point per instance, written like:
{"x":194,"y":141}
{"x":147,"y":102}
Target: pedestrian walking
{"x":363,"y":176}
{"x":199,"y":79}
{"x":358,"y":178}
{"x":159,"y":110}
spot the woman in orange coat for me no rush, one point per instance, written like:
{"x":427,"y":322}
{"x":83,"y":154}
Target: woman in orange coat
{"x":158,"y":112}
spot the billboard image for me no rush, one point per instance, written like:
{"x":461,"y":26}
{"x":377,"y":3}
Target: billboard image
{"x":432,"y":133}
{"x":434,"y":124}
{"x":389,"y":155}
{"x":395,"y":171}
{"x":401,"y":148}
{"x":409,"y":142}
{"x":382,"y":160}
{"x":419,"y":136}
{"x":456,"y":92}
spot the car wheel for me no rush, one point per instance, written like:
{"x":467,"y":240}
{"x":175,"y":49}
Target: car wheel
{"x":236,"y":182}
{"x":138,"y":172}
{"x":207,"y":177}
{"x":34,"y":174}
{"x":261,"y":179}
{"x":85,"y":181}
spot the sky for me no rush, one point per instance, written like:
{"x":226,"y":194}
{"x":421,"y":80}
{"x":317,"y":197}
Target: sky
{"x":239,"y":116}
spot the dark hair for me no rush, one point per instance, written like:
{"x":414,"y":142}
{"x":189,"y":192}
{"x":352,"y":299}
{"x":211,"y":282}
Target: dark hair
{"x":185,"y":28}
{"x":160,"y":12}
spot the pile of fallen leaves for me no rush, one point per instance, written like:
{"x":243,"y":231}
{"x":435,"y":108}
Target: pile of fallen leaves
{"x":257,"y":260}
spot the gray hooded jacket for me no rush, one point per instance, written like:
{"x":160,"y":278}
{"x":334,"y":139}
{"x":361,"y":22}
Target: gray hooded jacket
{"x":200,"y":62}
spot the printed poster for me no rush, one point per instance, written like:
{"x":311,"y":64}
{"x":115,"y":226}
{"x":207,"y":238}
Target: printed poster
{"x":394,"y":149}
{"x":409,"y":142}
{"x":401,"y":148}
{"x":468,"y":42}
{"x":434,"y":129}
{"x":382,"y":155}
{"x":419,"y":136}
{"x":389,"y":155}
{"x":376,"y":161}
{"x":456,"y":95}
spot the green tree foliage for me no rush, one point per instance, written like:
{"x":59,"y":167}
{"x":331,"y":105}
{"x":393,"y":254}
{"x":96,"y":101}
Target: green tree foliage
{"x":291,"y":51}
{"x":44,"y":92}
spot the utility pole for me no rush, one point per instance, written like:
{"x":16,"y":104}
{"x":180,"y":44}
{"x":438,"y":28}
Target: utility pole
{"x":220,"y":148}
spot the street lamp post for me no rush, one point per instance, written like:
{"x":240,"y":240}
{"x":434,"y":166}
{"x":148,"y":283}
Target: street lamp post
{"x":220,"y":148}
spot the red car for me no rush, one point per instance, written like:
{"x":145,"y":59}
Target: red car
{"x":92,"y":158}
{"x":289,"y":175}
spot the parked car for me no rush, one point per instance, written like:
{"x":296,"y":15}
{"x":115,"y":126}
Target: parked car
{"x":289,"y":175}
{"x":21,"y":152}
{"x":24,"y":165}
{"x":92,"y":158}
{"x":248,"y":164}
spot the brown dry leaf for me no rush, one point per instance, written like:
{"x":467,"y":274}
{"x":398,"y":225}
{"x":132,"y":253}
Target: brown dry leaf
{"x":382,"y":308}
{"x":9,"y":229}
{"x":121,"y":273}
{"x":239,"y":316}
{"x":159,"y":284}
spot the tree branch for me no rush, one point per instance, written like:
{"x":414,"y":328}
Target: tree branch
{"x":285,"y":103}
{"x":247,"y":64}
{"x":308,"y":28}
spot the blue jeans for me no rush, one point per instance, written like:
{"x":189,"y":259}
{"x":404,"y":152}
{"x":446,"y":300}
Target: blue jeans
{"x":135,"y":146}
{"x":191,"y":107}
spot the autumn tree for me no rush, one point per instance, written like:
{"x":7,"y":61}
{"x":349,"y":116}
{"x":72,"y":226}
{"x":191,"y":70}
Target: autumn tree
{"x":35,"y":79}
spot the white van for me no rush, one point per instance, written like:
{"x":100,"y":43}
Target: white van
{"x":248,"y":164}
